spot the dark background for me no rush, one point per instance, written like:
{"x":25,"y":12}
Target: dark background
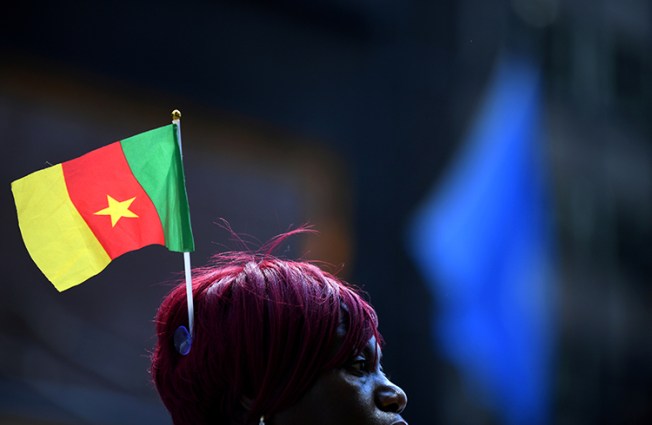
{"x":344,"y":114}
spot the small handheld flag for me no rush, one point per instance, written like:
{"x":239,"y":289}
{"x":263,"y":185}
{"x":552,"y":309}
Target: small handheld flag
{"x":77,"y":216}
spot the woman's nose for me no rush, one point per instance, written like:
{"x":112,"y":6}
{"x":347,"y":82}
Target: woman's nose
{"x":390,"y":397}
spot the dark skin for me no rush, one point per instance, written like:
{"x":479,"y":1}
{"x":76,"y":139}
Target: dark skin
{"x":358,"y":393}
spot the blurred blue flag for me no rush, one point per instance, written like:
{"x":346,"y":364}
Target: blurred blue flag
{"x":482,"y":240}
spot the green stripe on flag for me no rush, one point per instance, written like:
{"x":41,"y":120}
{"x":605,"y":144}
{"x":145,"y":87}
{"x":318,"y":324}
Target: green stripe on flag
{"x":155,"y":161}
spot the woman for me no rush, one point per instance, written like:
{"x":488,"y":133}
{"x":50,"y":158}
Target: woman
{"x":276,"y":342}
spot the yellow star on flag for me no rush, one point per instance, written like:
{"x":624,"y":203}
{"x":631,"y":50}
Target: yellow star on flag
{"x":117,"y":209}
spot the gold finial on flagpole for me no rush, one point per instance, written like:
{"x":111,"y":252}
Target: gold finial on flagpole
{"x":176,"y":115}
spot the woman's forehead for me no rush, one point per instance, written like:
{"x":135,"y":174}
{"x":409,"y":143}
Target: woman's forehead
{"x":373,"y":347}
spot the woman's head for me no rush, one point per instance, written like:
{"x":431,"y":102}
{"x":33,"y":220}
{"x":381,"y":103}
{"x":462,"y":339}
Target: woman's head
{"x":266,"y":330}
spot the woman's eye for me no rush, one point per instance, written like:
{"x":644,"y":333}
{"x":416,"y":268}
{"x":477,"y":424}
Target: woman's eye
{"x":358,"y":366}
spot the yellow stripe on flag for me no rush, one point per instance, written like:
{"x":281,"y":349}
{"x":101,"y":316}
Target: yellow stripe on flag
{"x":56,"y":236}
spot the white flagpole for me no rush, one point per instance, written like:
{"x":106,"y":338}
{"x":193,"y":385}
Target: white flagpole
{"x":176,"y":119}
{"x":191,"y":308}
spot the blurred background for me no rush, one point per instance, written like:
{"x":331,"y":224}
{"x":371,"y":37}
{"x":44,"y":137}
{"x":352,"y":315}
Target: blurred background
{"x":482,"y":169}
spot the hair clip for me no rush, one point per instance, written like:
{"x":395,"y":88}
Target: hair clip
{"x":182,"y":340}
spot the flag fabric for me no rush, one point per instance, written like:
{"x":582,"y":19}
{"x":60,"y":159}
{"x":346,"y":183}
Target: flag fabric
{"x":77,"y":216}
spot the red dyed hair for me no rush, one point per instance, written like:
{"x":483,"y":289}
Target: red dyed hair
{"x":265,"y":329}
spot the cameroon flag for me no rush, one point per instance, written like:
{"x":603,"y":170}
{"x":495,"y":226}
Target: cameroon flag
{"x":77,"y":216}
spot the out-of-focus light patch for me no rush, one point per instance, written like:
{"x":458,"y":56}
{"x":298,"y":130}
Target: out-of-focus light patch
{"x":537,"y":13}
{"x":482,"y":240}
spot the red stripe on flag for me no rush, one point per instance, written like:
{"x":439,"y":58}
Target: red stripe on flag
{"x":100,"y":185}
